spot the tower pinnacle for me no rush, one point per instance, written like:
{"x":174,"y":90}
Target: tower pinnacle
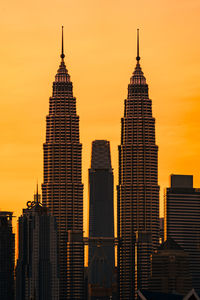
{"x":37,"y":194}
{"x":138,"y":76}
{"x":138,"y":44}
{"x":62,"y":53}
{"x":62,"y":73}
{"x":37,"y":197}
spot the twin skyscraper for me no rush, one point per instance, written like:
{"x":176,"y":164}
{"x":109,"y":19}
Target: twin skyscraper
{"x":137,"y":192}
{"x":62,"y":195}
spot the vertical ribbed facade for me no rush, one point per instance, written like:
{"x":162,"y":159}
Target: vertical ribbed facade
{"x":182,"y":220}
{"x":37,"y":272}
{"x":101,"y":222}
{"x":75,"y":265}
{"x":62,"y":188}
{"x":7,"y":256}
{"x":138,"y":190}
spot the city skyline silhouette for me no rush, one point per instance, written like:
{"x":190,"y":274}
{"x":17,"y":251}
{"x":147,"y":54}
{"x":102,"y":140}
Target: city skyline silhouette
{"x":100,"y":59}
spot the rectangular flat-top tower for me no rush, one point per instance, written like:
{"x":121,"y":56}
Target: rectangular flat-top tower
{"x":101,"y":223}
{"x":182,"y":220}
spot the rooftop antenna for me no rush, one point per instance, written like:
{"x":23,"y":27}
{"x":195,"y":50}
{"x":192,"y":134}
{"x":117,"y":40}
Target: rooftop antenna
{"x":37,"y":195}
{"x":62,"y":53}
{"x":138,"y":46}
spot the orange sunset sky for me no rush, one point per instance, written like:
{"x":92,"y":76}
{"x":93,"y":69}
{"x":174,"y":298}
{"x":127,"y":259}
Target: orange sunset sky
{"x":100,"y":49}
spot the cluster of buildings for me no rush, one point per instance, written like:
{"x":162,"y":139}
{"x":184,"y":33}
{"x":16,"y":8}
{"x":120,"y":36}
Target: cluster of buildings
{"x":151,"y":258}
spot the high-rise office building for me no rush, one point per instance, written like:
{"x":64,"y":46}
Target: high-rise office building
{"x":170,"y":269}
{"x":101,"y":223}
{"x":37,"y":274}
{"x":182,"y":221}
{"x":62,"y":189}
{"x":138,"y":190}
{"x":7,"y":256}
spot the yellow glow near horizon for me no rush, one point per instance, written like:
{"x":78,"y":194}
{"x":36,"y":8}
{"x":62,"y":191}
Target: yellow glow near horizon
{"x":100,"y":49}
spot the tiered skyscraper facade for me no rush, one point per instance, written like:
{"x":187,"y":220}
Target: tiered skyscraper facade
{"x":101,"y":223}
{"x":138,"y":190}
{"x":62,"y":188}
{"x":7,"y":256}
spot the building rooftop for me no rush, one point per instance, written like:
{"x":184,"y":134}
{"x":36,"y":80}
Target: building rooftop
{"x":148,"y":295}
{"x":170,"y":244}
{"x":182,"y":181}
{"x":101,"y":155}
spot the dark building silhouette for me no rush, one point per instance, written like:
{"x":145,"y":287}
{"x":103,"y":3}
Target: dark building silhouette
{"x":37,"y":274}
{"x":182,"y":221}
{"x":75,"y":265}
{"x":101,"y":223}
{"x":148,"y":295}
{"x":170,"y":269}
{"x":138,"y":190}
{"x":7,"y":256}
{"x":161,"y":235}
{"x":62,"y":189}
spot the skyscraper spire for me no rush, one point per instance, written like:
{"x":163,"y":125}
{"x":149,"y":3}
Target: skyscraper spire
{"x":62,"y":53}
{"x":37,"y":194}
{"x":138,"y":76}
{"x":138,"y":44}
{"x":62,"y":73}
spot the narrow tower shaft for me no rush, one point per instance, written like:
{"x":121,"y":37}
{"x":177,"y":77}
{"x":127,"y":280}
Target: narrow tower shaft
{"x":138,"y":190}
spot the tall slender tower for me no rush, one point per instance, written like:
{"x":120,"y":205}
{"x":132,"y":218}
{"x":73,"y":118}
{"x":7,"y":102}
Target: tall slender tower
{"x":62,"y":188}
{"x":138,"y":190}
{"x":101,"y":222}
